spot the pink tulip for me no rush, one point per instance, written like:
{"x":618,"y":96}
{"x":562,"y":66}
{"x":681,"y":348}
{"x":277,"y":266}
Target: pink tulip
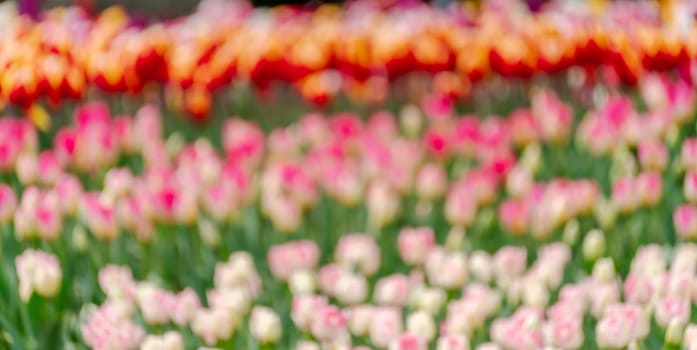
{"x":653,"y":155}
{"x":625,"y":195}
{"x":672,"y":308}
{"x":154,"y":304}
{"x":690,"y":187}
{"x":650,"y":187}
{"x":431,"y":182}
{"x":382,"y":125}
{"x":359,"y":318}
{"x":438,"y":143}
{"x":106,"y":329}
{"x":69,"y":190}
{"x":243,"y":142}
{"x":392,"y":290}
{"x":213,"y":325}
{"x":452,"y":342}
{"x":460,"y":207}
{"x":147,"y":125}
{"x":514,"y":216}
{"x":100,"y":216}
{"x":313,"y":129}
{"x":359,"y":250}
{"x":265,"y":325}
{"x":124,"y":132}
{"x":685,"y":221}
{"x":328,"y":277}
{"x":621,"y":324}
{"x":414,"y":244}
{"x":27,"y":169}
{"x":8,"y":203}
{"x":554,"y":117}
{"x":688,"y":154}
{"x":510,"y":262}
{"x":519,"y":182}
{"x":637,"y":289}
{"x":439,"y":261}
{"x":47,"y":217}
{"x":117,"y":282}
{"x":303,"y":310}
{"x":386,"y":326}
{"x":564,"y":334}
{"x":284,"y":259}
{"x":382,"y":204}
{"x":328,"y":322}
{"x":523,"y":127}
{"x":408,"y":341}
{"x":184,"y":307}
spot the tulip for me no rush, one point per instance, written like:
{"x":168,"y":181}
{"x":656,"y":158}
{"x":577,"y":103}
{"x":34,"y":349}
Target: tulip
{"x":303,"y":309}
{"x":359,"y":250}
{"x":38,"y":272}
{"x":593,"y":245}
{"x":117,"y":282}
{"x":234,"y":300}
{"x":453,"y":342}
{"x":414,"y":244}
{"x":359,"y":319}
{"x":213,"y":325}
{"x":670,"y":309}
{"x":685,"y":221}
{"x":106,"y":327}
{"x":265,"y":325}
{"x":690,"y":187}
{"x":8,"y":203}
{"x":302,"y":282}
{"x":653,"y":155}
{"x":382,"y":204}
{"x":185,"y":304}
{"x":422,"y":325}
{"x":455,"y":264}
{"x":431,"y":182}
{"x":287,"y":258}
{"x":408,"y":341}
{"x":386,"y":326}
{"x":392,"y":290}
{"x":328,"y":322}
{"x":650,"y":187}
{"x":170,"y":340}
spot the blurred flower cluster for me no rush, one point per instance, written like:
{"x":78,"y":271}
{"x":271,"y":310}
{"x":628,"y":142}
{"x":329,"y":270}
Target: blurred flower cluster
{"x":361,"y":49}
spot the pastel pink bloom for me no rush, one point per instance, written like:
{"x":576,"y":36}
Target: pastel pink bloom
{"x":519,"y":182}
{"x":385,"y":326}
{"x":446,"y":270}
{"x":184,"y":306}
{"x":8,"y":203}
{"x":621,"y":324}
{"x":648,"y":260}
{"x":303,"y":309}
{"x":510,"y":262}
{"x":452,"y":342}
{"x":650,"y":187}
{"x":601,"y":296}
{"x":460,"y":206}
{"x":414,"y":244}
{"x":625,"y":194}
{"x":105,"y":329}
{"x":100,"y":216}
{"x":243,"y":142}
{"x":653,"y":155}
{"x":117,"y":282}
{"x":38,"y":272}
{"x":47,"y":218}
{"x":690,"y":187}
{"x":488,"y":346}
{"x":328,"y":277}
{"x":49,"y":168}
{"x":313,"y":129}
{"x":564,"y":333}
{"x":466,"y":134}
{"x":359,"y":250}
{"x":685,"y":259}
{"x":554,"y":117}
{"x":577,"y":293}
{"x":408,"y":341}
{"x":346,"y":126}
{"x":685,"y":221}
{"x":382,"y":203}
{"x":219,"y":201}
{"x":566,"y":309}
{"x":328,"y":322}
{"x":653,"y":90}
{"x":27,"y":168}
{"x":124,"y":132}
{"x":118,"y":182}
{"x":154,"y":304}
{"x":284,"y":212}
{"x":431,"y":181}
{"x":513,"y":216}
{"x":285,"y":259}
{"x":175,"y":204}
{"x":392,"y":290}
{"x":92,"y":113}
{"x":523,"y":127}
{"x":688,"y":154}
{"x":147,"y":124}
{"x":213,"y":325}
{"x":382,"y":125}
{"x":672,"y":308}
{"x":690,"y":336}
{"x":637,"y":289}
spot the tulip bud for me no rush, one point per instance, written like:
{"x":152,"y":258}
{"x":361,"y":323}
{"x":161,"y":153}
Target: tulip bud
{"x":481,"y":266}
{"x":690,"y":187}
{"x":359,"y":318}
{"x":302,"y":282}
{"x":650,"y":187}
{"x":328,"y":322}
{"x":685,"y":221}
{"x":411,"y":120}
{"x":593,"y":245}
{"x":570,"y":232}
{"x":265,"y":325}
{"x":531,"y":159}
{"x":382,"y":203}
{"x":408,"y":341}
{"x":431,"y":181}
{"x":455,"y":239}
{"x":605,"y":213}
{"x":209,"y":232}
{"x":653,"y":155}
{"x":421,"y":324}
{"x":430,"y":300}
{"x":674,"y":332}
{"x":604,"y":270}
{"x":351,"y":288}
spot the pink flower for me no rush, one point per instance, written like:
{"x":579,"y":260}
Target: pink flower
{"x":213,"y":325}
{"x":685,"y":221}
{"x":510,"y":262}
{"x":621,"y":324}
{"x":285,"y":259}
{"x":8,"y":203}
{"x":453,"y":342}
{"x":154,"y":304}
{"x":438,"y":143}
{"x":243,"y":142}
{"x":519,"y":182}
{"x":303,"y":309}
{"x":637,"y":289}
{"x":514,"y":216}
{"x":460,"y":206}
{"x":386,"y":326}
{"x":446,"y":270}
{"x":184,"y":306}
{"x":625,"y":194}
{"x":117,"y":282}
{"x":650,"y":187}
{"x":328,"y":322}
{"x":554,"y":117}
{"x":147,"y":124}
{"x":653,"y":155}
{"x":688,"y":154}
{"x":265,"y":325}
{"x":564,"y":333}
{"x":392,"y":290}
{"x":414,"y":244}
{"x":523,"y":127}
{"x":100,"y":216}
{"x":672,"y":308}
{"x":106,"y":329}
{"x":690,"y":187}
{"x":359,"y":250}
{"x":431,"y":181}
{"x":69,"y":189}
{"x":408,"y":341}
{"x":382,"y":203}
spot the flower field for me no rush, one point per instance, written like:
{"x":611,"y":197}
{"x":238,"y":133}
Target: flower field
{"x":347,"y":178}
